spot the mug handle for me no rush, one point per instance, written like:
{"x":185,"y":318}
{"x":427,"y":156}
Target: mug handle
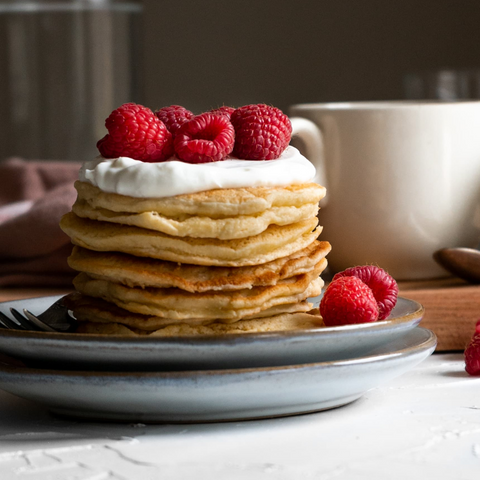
{"x":312,"y":138}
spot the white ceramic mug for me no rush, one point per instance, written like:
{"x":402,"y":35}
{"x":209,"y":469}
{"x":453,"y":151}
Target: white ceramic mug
{"x":402,"y":179}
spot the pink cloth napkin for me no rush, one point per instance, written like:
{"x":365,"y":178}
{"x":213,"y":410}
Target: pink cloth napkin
{"x":33,"y":197}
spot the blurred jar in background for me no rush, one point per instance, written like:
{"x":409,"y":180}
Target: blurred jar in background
{"x":64,"y":66}
{"x":446,"y":84}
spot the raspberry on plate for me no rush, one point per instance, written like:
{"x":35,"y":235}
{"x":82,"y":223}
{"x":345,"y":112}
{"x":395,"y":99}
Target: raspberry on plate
{"x":261,"y":132}
{"x":135,"y":132}
{"x":173,"y":117}
{"x":347,"y":300}
{"x":204,"y":138}
{"x":472,"y":355}
{"x":227,"y":111}
{"x":383,"y":286}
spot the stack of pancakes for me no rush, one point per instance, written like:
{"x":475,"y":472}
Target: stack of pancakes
{"x":219,"y":261}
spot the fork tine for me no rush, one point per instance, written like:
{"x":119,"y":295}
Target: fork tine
{"x":58,"y":317}
{"x":9,"y":323}
{"x":24,"y":323}
{"x":2,"y":316}
{"x":37,"y":322}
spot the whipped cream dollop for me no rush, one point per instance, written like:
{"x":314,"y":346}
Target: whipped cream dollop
{"x":134,"y":178}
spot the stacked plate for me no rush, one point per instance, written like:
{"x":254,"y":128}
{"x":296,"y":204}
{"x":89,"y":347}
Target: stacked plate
{"x":208,"y":378}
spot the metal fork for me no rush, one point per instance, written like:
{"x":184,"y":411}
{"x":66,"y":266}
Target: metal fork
{"x":55,"y":319}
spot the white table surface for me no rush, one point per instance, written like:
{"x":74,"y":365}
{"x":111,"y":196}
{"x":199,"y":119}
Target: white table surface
{"x":425,"y":425}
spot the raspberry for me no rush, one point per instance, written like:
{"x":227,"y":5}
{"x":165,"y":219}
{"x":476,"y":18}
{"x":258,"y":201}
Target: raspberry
{"x":173,"y":117}
{"x":227,"y":111}
{"x":477,"y":326}
{"x":261,"y":132}
{"x":383,"y":286}
{"x":204,"y":138}
{"x":135,"y":132}
{"x":472,"y":355}
{"x":348,"y":300}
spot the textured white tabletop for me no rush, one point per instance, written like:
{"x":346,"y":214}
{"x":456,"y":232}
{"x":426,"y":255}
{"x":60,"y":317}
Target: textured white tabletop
{"x":425,"y":424}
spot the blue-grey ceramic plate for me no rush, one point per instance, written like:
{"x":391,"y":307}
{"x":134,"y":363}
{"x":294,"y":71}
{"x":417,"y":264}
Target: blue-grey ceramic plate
{"x":216,"y":395}
{"x":116,"y":353}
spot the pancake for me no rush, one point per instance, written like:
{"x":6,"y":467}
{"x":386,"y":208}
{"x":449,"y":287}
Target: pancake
{"x":277,"y":323}
{"x":214,"y":262}
{"x":275,"y":242}
{"x":99,"y":317}
{"x":176,"y":304}
{"x":218,"y":203}
{"x":240,"y":226}
{"x":146,"y":272}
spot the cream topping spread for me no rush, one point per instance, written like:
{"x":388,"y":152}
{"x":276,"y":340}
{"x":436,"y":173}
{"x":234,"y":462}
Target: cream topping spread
{"x":134,"y":178}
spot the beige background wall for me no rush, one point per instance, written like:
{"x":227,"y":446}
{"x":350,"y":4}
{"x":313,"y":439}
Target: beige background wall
{"x":205,"y":53}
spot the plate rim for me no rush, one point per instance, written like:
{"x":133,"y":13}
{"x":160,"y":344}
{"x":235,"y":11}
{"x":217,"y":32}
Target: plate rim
{"x":430,"y":342}
{"x":225,"y":338}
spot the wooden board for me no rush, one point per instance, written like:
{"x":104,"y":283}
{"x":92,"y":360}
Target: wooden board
{"x":452,"y":308}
